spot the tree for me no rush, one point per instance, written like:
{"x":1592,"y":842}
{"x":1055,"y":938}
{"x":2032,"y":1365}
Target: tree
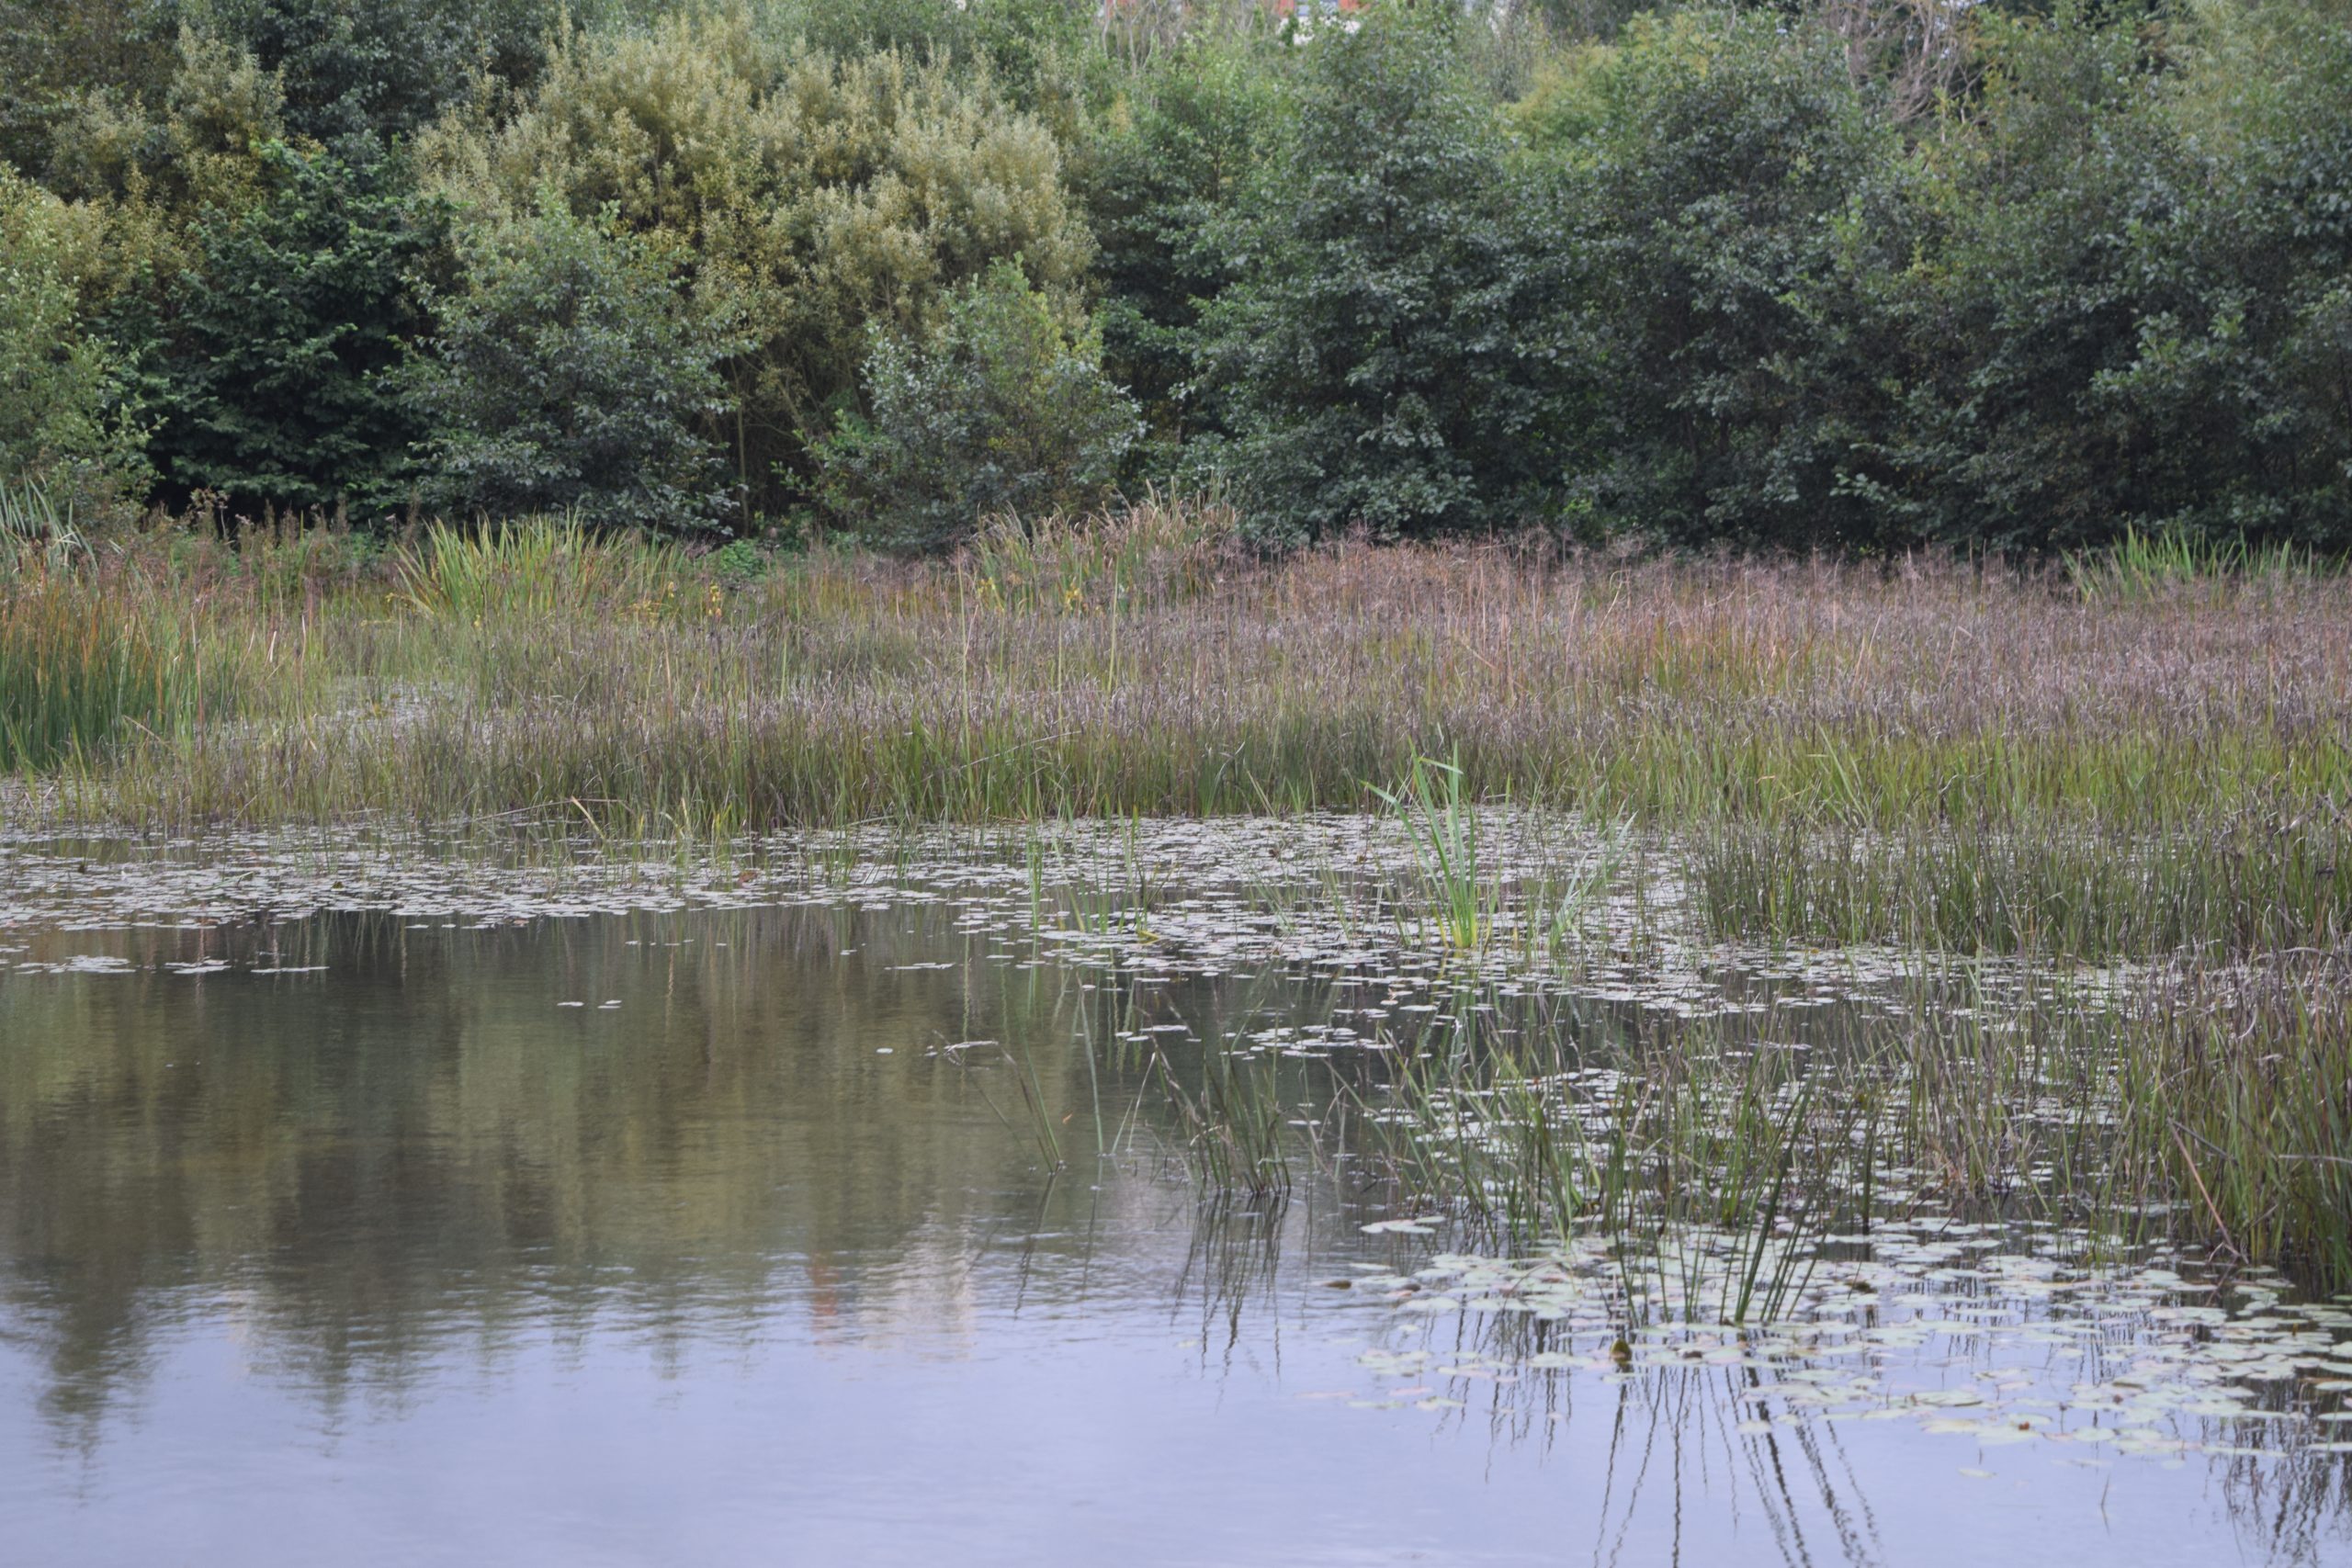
{"x":2142,"y":314}
{"x":267,"y":369}
{"x":822,"y":197}
{"x":54,"y":374}
{"x":567,"y":373}
{"x":382,"y":67}
{"x":1390,"y":359}
{"x":1738,"y":195}
{"x":1166,"y":180}
{"x":1003,"y":413}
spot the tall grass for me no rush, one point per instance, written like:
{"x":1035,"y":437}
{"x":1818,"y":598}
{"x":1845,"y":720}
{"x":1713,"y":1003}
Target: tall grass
{"x":2144,"y":566}
{"x":2235,"y":1090}
{"x":530,"y":569}
{"x":1443,"y":827}
{"x":1156,"y":550}
{"x":2212,"y":1106}
{"x":1937,"y":752}
{"x":37,"y":528}
{"x":80,"y":670}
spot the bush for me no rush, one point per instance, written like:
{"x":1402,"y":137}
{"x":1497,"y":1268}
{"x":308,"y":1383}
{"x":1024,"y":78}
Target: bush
{"x":1166,"y":180}
{"x":54,"y":384}
{"x":382,"y":66}
{"x":1729,"y":183}
{"x":568,"y":374}
{"x":1004,"y":414}
{"x":1388,"y":359}
{"x":53,"y":52}
{"x":268,"y":370}
{"x":824,"y":197}
{"x":2142,"y":316}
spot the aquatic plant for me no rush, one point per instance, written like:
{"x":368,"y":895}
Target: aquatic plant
{"x":77,"y":671}
{"x":1444,"y":831}
{"x":529,"y":568}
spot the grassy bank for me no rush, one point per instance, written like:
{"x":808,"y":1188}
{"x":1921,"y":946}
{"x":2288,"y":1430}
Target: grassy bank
{"x":2090,"y":758}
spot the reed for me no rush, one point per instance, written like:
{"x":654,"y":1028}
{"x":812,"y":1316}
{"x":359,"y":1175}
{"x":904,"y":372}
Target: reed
{"x":1443,"y":828}
{"x":79,"y":671}
{"x":2207,"y":1106}
{"x":1945,"y":752}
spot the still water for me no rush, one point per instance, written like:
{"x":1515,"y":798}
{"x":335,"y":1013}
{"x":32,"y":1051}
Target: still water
{"x":462,"y":1230}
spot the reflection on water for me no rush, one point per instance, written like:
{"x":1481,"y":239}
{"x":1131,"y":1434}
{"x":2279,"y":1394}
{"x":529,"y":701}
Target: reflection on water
{"x":719,"y":1235}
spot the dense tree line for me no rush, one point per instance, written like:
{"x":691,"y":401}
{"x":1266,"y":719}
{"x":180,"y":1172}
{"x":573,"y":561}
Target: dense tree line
{"x":1859,"y":273}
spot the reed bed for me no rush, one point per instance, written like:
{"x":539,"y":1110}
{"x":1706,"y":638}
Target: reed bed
{"x":1926,"y":750}
{"x":2207,"y":1108}
{"x":81,"y":673}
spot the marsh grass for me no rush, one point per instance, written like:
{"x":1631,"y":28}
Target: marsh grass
{"x":2201,"y":1105}
{"x":839,"y":688}
{"x":80,"y":670}
{"x":1157,"y":550}
{"x":1679,"y":1138}
{"x":2236,"y":1097}
{"x":1934,"y":752}
{"x":37,"y":530}
{"x":1233,"y":1126}
{"x":2069,"y":885}
{"x":1442,"y":825}
{"x":531,"y":569}
{"x":2144,"y":566}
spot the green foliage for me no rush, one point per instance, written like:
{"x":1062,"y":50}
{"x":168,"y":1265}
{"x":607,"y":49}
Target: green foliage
{"x":2024,"y":278}
{"x":54,"y":374}
{"x":382,"y":66}
{"x":1003,"y":413}
{"x":823,"y":197}
{"x":567,"y":373}
{"x":267,"y":368}
{"x":1165,"y":177}
{"x":1041,"y":54}
{"x":195,"y":146}
{"x":737,"y":563}
{"x":1389,"y":359}
{"x":53,"y":52}
{"x":1731,"y":181}
{"x":2141,"y":315}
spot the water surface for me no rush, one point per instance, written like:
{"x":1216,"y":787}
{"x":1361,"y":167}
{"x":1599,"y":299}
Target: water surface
{"x":482,"y":1225}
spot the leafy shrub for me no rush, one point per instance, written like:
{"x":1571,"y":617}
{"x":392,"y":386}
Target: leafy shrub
{"x":1388,"y":358}
{"x":268,"y":370}
{"x":2141,"y":318}
{"x":352,"y":67}
{"x":1727,"y":180}
{"x":568,"y":374}
{"x":737,"y":562}
{"x":1166,"y":180}
{"x":1005,"y":413}
{"x":195,"y":147}
{"x":825,"y":197}
{"x":54,"y":371}
{"x":55,"y":52}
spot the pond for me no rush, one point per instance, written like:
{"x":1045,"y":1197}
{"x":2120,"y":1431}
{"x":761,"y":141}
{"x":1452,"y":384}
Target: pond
{"x":366,"y":1205}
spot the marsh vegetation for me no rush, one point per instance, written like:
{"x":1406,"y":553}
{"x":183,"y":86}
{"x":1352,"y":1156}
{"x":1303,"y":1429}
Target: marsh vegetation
{"x":1653,"y":706}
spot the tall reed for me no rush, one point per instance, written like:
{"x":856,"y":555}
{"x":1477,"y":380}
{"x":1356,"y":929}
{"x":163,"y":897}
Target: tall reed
{"x":79,"y":670}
